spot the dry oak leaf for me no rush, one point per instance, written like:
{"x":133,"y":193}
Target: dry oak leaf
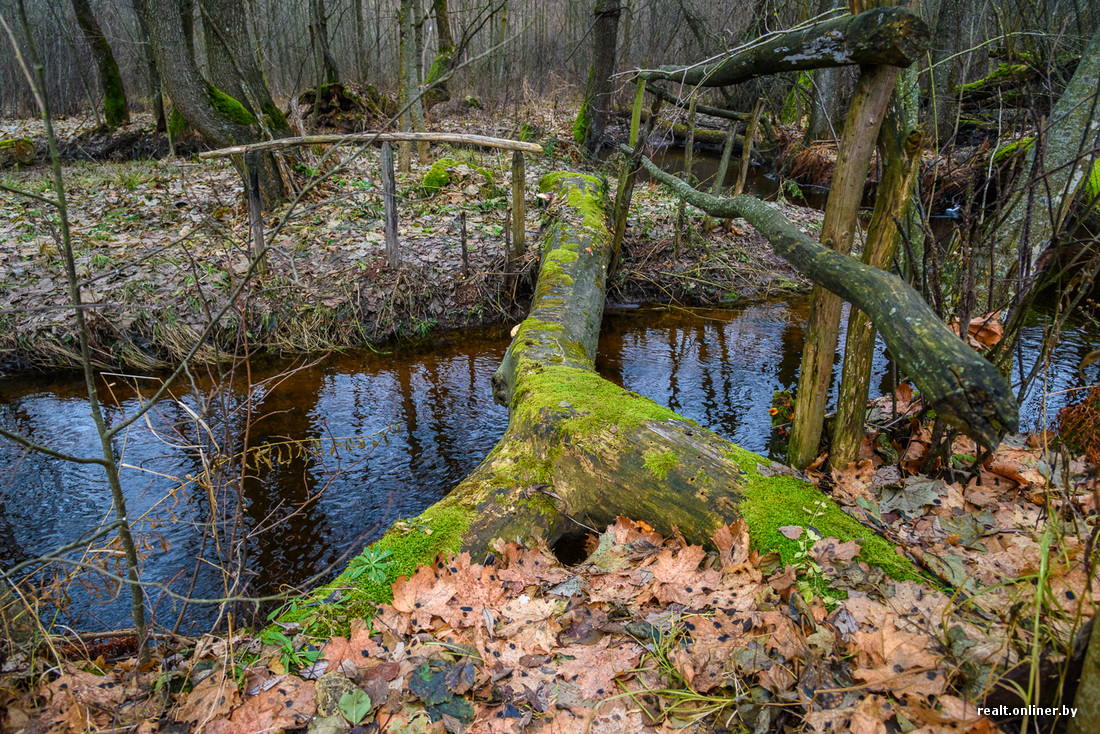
{"x":358,"y":648}
{"x":214,"y":697}
{"x":853,"y":482}
{"x":732,"y":542}
{"x":594,"y":667}
{"x":896,"y":662}
{"x":288,"y":705}
{"x":677,"y":578}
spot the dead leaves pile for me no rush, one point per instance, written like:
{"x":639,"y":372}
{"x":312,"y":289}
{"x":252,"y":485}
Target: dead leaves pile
{"x":648,"y":634}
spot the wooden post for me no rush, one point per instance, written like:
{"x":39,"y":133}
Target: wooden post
{"x":900,"y":154}
{"x":723,"y":168}
{"x":857,"y":142}
{"x":519,"y":211}
{"x":255,"y":212}
{"x":465,"y":248}
{"x":689,"y":154}
{"x":389,"y":198}
{"x":628,"y":174}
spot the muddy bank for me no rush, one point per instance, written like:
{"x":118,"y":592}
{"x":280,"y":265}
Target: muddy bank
{"x":162,"y":245}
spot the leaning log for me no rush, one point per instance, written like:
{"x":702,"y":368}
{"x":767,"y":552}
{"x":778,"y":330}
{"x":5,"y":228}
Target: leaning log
{"x":580,"y":450}
{"x":890,"y":36}
{"x":960,"y":384}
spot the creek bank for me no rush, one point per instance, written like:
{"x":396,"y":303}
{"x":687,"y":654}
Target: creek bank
{"x":161,"y":245}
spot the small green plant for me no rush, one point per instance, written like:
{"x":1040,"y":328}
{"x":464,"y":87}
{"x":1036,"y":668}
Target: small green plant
{"x":290,"y":656}
{"x":813,"y":580}
{"x":371,"y":562}
{"x":793,"y":190}
{"x":354,"y":706}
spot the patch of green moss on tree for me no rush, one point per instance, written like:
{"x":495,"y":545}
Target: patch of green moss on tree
{"x":580,"y":125}
{"x":773,"y":502}
{"x":275,"y":118}
{"x":177,"y":125}
{"x":229,"y":108}
{"x":660,"y":463}
{"x":115,"y":110}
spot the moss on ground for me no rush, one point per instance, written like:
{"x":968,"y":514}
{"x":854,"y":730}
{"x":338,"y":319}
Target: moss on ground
{"x":437,"y":176}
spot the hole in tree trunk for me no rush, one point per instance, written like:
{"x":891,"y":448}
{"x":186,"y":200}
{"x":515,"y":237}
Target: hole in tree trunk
{"x":573,"y":548}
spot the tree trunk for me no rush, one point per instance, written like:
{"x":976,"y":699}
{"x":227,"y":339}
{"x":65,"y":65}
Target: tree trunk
{"x":221,"y":119}
{"x":957,"y":382}
{"x":947,"y":68}
{"x":234,"y":66}
{"x":1035,"y":213}
{"x":579,"y":450}
{"x":597,"y":102}
{"x":115,"y":110}
{"x":437,"y":89}
{"x":318,"y":33}
{"x":883,"y":36}
{"x":151,"y":67}
{"x":409,"y":97}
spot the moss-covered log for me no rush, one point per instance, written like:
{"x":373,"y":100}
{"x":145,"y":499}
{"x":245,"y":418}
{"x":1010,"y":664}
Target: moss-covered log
{"x":960,"y":384}
{"x":891,"y":36}
{"x":15,"y":151}
{"x":580,"y":450}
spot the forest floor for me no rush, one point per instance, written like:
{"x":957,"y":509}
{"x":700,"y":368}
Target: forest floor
{"x":161,"y":244}
{"x":650,"y":634}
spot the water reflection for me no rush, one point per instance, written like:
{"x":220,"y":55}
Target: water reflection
{"x":431,"y":412}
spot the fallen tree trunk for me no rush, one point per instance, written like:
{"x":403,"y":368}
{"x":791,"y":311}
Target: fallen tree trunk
{"x":580,"y":450}
{"x":890,"y":36}
{"x":960,"y":384}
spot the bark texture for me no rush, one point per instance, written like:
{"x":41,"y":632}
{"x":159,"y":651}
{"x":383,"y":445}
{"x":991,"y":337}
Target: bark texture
{"x":960,"y":384}
{"x":115,"y":109}
{"x":1036,"y":212}
{"x":222,"y":119}
{"x":890,"y":36}
{"x":597,"y":104}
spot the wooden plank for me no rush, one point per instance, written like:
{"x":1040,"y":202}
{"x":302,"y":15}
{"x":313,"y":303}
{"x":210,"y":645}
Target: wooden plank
{"x":389,"y":197}
{"x":371,"y":136}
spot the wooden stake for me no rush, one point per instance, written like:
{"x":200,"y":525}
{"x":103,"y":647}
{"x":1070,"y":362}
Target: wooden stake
{"x":689,"y":153}
{"x":255,"y":212}
{"x":865,"y":114}
{"x":519,"y":208}
{"x":627,"y":175}
{"x":465,"y":248}
{"x":723,"y":168}
{"x":389,"y":198}
{"x":901,"y":158}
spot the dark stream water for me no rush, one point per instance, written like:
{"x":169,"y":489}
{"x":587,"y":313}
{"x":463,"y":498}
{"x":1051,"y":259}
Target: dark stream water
{"x":430,"y":410}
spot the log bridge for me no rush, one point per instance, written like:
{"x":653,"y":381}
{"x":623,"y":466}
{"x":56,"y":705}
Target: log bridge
{"x":579,"y":450}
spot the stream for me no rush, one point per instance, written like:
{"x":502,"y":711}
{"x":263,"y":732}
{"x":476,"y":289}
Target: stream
{"x":426,"y":415}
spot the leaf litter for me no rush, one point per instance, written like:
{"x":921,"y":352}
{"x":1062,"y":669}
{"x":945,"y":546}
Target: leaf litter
{"x":651,"y":634}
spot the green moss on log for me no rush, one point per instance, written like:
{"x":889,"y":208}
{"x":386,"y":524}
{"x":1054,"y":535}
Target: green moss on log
{"x":437,"y":176}
{"x":782,"y":500}
{"x":660,"y":463}
{"x":412,"y":543}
